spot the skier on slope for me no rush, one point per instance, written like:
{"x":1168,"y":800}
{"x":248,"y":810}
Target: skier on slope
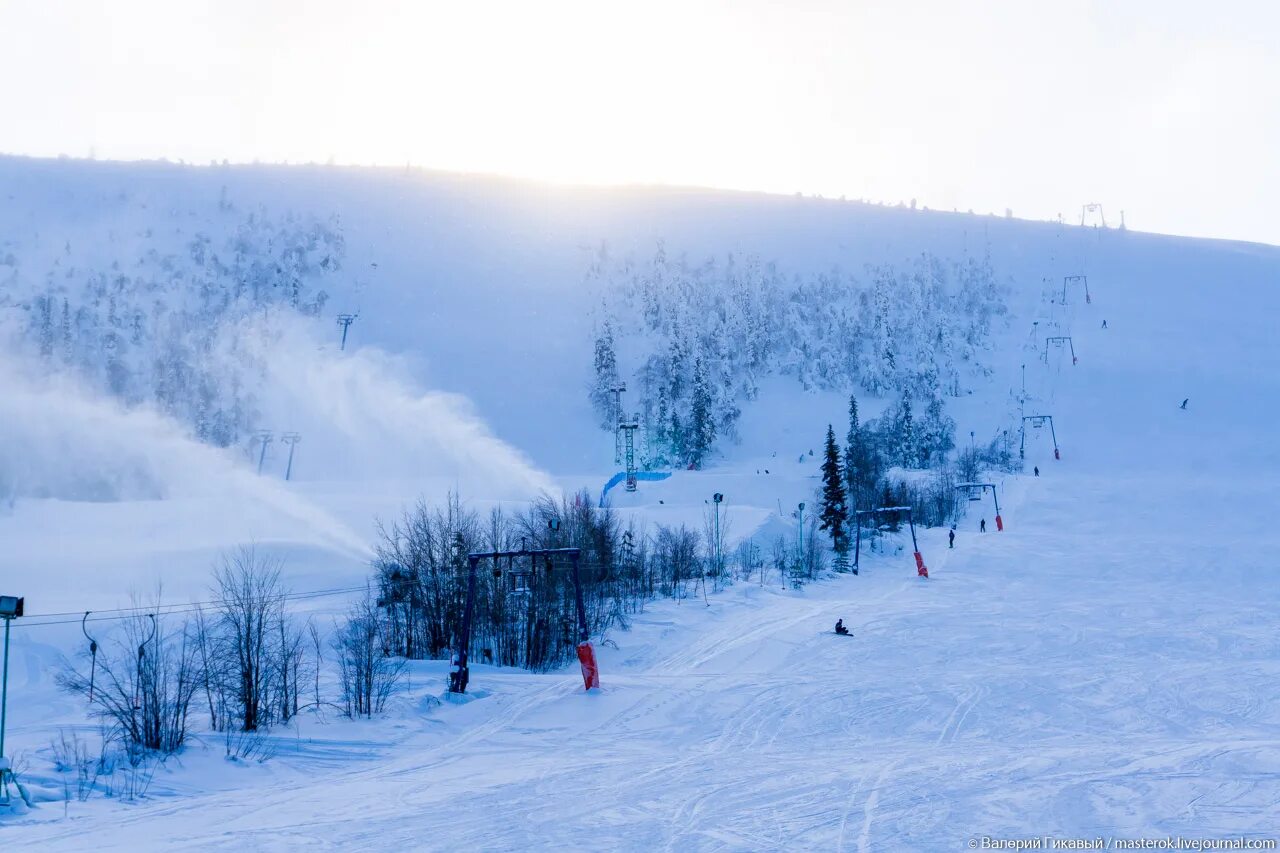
{"x":1184,"y":404}
{"x":1037,"y":470}
{"x":951,"y":537}
{"x":841,"y":629}
{"x":1104,"y":324}
{"x":982,"y":526}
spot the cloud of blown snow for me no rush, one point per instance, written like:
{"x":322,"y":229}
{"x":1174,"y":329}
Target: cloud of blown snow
{"x":362,"y":417}
{"x":59,"y":440}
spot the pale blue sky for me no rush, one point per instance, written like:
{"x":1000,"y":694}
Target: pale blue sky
{"x":1168,"y":110}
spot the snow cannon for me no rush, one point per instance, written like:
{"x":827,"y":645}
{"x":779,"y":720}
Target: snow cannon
{"x":921,"y":569}
{"x":590,"y":672}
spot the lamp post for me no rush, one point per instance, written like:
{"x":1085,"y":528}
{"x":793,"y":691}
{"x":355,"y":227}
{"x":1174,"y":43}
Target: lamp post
{"x":800,"y":535}
{"x":717,"y":498}
{"x":10,"y":609}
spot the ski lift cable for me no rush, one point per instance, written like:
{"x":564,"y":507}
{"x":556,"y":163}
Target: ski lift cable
{"x":178,"y":609}
{"x":165,"y":609}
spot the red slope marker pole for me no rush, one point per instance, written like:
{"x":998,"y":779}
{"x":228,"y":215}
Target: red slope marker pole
{"x":586,"y":654}
{"x":922,"y":570}
{"x":590,"y":671}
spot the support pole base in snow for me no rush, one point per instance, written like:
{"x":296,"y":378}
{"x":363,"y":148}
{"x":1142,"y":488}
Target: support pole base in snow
{"x":1056,"y":455}
{"x":590,"y":672}
{"x":921,"y":569}
{"x":999,"y":524}
{"x":459,"y":675}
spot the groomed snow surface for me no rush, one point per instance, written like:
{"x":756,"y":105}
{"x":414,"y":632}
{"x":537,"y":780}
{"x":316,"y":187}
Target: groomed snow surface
{"x":1108,"y":665}
{"x":1057,"y":678}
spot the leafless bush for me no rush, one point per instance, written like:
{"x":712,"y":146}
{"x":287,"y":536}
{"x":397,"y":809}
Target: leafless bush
{"x":146,"y":677}
{"x":253,"y":653}
{"x":248,"y":746}
{"x":367,"y":674}
{"x":749,"y":560}
{"x":76,"y":762}
{"x":676,"y":550}
{"x":251,"y":605}
{"x":783,"y":559}
{"x":715,"y":529}
{"x":135,"y":774}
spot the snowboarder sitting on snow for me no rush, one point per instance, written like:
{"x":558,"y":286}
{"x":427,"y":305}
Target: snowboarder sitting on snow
{"x":982,"y":526}
{"x":951,"y":537}
{"x":840,"y":628}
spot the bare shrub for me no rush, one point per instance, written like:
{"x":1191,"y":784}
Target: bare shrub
{"x":367,"y":674}
{"x":147,"y":675}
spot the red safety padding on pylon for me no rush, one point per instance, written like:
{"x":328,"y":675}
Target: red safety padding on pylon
{"x":999,"y":524}
{"x":921,"y":570}
{"x":1055,"y":454}
{"x":590,"y":672}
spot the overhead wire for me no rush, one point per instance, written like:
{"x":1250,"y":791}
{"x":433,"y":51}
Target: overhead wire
{"x":69,"y":617}
{"x":159,"y":610}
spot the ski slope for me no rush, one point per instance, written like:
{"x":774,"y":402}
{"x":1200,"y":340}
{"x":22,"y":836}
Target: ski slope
{"x":1108,"y":665}
{"x":1054,"y":679}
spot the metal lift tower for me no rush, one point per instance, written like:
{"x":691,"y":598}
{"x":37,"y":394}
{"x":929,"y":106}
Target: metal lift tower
{"x":1037,"y":422}
{"x":629,"y":432}
{"x":921,"y":569}
{"x":460,"y":672}
{"x":975,"y":491}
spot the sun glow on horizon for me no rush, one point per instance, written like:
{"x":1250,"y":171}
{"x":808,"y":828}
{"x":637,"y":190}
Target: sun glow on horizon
{"x":1010,"y":105}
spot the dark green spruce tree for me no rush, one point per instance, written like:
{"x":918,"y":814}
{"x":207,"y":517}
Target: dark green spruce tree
{"x":852,"y":454}
{"x":862,"y":465}
{"x":835,"y":510}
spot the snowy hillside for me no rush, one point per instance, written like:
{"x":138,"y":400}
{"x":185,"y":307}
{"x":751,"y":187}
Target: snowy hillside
{"x":1105,"y":665}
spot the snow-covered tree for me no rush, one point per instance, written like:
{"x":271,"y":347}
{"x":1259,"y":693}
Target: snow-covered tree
{"x":907,"y":330}
{"x":606,"y":378}
{"x":702,"y":427}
